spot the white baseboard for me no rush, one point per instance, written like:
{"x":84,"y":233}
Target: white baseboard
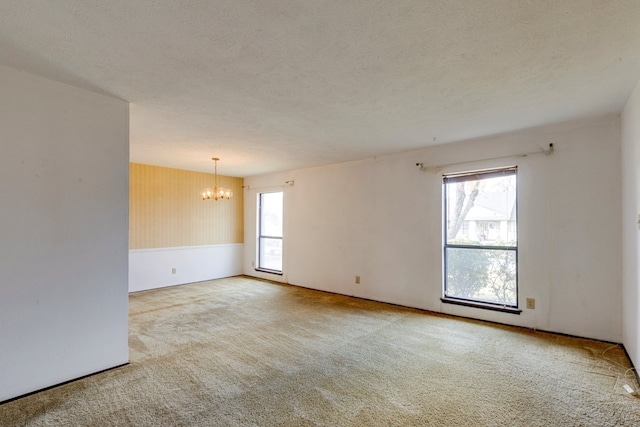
{"x":153,"y":268}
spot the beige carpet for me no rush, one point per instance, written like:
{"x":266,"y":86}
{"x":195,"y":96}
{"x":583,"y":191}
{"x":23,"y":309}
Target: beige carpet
{"x":244,"y":352}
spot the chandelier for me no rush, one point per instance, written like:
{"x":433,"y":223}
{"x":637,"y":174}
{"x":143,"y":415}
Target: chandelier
{"x":217,"y":192}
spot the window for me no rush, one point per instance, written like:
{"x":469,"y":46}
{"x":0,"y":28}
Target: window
{"x":480,"y":241}
{"x":270,"y":232}
{"x":465,"y":228}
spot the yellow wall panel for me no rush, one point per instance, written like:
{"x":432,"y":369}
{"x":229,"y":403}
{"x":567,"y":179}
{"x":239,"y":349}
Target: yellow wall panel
{"x":165,"y":209}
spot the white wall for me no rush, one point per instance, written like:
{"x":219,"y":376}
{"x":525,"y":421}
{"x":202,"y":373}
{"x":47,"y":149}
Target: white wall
{"x":63,"y":211}
{"x":381,"y":219}
{"x":630,"y":217}
{"x":153,"y":268}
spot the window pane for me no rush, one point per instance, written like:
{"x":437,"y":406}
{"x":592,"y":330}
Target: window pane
{"x":271,"y":254}
{"x":270,"y":232}
{"x":487,"y":275}
{"x":271,"y":214}
{"x":482,"y":211}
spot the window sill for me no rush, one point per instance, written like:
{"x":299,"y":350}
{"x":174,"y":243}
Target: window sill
{"x":501,"y":308}
{"x":264,"y":270}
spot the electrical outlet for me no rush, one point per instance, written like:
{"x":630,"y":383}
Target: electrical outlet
{"x":173,"y":270}
{"x":357,"y":279}
{"x":253,"y":263}
{"x":531,"y":303}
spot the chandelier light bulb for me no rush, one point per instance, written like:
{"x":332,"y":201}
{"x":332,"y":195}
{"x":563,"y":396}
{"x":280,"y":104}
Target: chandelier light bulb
{"x":206,"y":194}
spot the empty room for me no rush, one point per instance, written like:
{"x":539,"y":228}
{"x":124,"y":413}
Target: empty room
{"x":320,"y":213}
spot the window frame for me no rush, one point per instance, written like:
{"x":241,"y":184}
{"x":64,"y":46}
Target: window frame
{"x":260,"y":236}
{"x":470,"y":302}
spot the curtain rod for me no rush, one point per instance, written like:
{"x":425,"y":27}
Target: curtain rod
{"x":546,"y":152}
{"x":247,"y":187}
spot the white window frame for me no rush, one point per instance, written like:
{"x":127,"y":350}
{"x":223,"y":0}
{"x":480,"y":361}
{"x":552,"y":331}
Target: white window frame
{"x":261,"y":236}
{"x":472,"y":302}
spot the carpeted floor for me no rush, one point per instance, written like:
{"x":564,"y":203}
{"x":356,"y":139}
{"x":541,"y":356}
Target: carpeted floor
{"x":244,"y":352}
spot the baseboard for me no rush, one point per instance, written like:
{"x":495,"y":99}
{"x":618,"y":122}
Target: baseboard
{"x":635,"y":371}
{"x":62,"y":383}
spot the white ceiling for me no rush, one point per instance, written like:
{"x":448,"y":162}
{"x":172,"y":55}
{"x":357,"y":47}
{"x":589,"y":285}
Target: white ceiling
{"x":269,"y":85}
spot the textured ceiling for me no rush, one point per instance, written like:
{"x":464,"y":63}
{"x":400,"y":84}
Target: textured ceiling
{"x":270,"y":85}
